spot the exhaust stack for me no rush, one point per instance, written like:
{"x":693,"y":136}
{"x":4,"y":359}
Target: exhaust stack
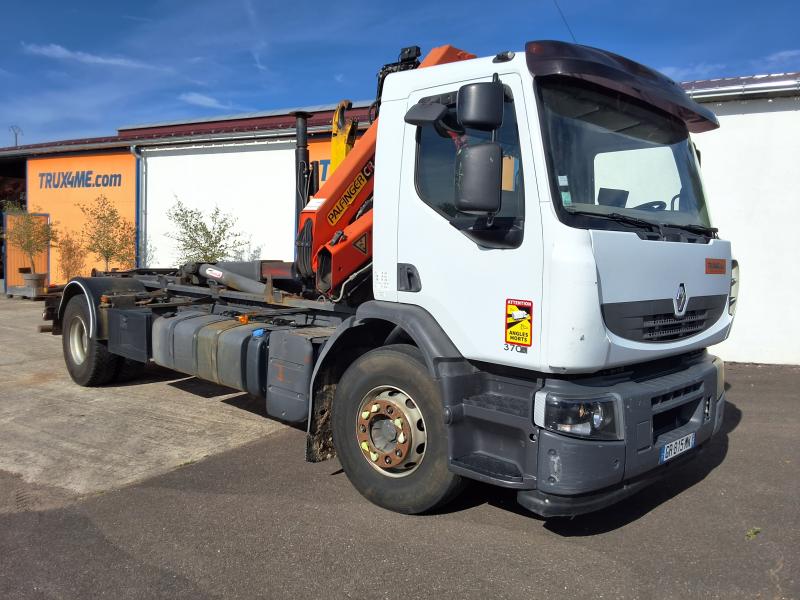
{"x":301,"y":164}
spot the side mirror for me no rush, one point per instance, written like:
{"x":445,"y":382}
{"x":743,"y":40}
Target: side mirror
{"x":480,"y":105}
{"x":425,"y":114}
{"x":479,"y":173}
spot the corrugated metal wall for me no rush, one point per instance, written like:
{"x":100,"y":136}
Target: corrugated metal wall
{"x":14,"y":258}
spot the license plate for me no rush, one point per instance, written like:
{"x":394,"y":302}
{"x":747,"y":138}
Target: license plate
{"x":675,"y":448}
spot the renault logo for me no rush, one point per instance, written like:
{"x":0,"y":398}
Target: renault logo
{"x":680,"y":301}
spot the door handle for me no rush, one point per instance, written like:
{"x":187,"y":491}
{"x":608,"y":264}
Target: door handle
{"x":408,"y":279}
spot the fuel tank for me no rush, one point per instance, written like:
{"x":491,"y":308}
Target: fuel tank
{"x":215,"y":348}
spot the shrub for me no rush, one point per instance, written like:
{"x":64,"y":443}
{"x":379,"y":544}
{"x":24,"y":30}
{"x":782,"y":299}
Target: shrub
{"x":73,"y":256}
{"x":204,"y":238}
{"x":108,"y":234}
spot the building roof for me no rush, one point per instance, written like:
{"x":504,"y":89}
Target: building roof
{"x":274,"y":123}
{"x":730,"y":88}
{"x":281,"y":112}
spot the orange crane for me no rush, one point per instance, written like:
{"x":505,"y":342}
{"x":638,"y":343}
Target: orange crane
{"x":334,"y":239}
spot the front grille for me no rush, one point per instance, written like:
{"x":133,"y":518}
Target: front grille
{"x":674,"y":409}
{"x":684,"y":391}
{"x":673,"y":419}
{"x":655,"y":320}
{"x":665,"y":327}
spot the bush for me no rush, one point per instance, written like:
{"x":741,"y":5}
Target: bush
{"x":73,"y":256}
{"x":108,"y":234}
{"x":204,"y":239}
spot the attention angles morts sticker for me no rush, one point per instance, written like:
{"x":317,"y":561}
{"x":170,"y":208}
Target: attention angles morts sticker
{"x":519,"y":322}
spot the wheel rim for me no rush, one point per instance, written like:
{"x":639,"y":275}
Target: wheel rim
{"x":78,"y":340}
{"x":391,"y":432}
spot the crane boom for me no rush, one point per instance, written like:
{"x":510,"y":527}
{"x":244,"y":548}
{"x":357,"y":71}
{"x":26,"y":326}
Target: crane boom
{"x":334,"y":239}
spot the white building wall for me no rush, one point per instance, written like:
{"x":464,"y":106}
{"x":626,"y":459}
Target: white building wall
{"x":253,"y":182}
{"x":751,"y":171}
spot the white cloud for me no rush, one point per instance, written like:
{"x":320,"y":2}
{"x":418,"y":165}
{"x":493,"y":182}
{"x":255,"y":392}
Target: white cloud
{"x":339,"y":78}
{"x":60,"y":53}
{"x":202,"y":100}
{"x":777,"y":62}
{"x":137,"y":19}
{"x":693,"y":72}
{"x":784,"y":56}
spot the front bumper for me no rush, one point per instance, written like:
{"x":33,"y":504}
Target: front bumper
{"x":551,"y":505}
{"x":576,"y":476}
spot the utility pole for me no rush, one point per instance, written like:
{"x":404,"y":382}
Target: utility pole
{"x":16,"y":131}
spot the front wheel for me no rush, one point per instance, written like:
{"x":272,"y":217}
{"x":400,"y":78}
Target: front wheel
{"x":389,"y":432}
{"x":89,"y":362}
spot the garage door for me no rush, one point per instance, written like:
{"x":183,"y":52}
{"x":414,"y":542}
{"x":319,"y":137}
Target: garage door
{"x":252,"y":182}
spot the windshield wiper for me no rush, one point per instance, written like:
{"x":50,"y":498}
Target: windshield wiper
{"x":659,"y":227}
{"x":698,"y":229}
{"x":629,"y":220}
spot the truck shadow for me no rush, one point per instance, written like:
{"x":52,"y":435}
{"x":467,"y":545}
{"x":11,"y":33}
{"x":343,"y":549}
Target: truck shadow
{"x":625,"y":512}
{"x":200,"y":388}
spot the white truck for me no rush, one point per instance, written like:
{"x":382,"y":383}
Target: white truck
{"x":512,"y":278}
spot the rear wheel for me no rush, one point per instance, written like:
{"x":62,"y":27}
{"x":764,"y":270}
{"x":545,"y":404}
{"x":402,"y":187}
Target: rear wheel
{"x":88,"y":361}
{"x":389,"y":432}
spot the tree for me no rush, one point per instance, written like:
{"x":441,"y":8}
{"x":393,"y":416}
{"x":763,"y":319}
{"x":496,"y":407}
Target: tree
{"x":9,"y":205}
{"x":127,"y":254}
{"x":204,"y":238}
{"x":72,"y":256}
{"x":31,"y":234}
{"x":108,"y":234}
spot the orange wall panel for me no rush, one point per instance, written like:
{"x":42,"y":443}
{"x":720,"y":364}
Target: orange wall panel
{"x":320,"y":150}
{"x":59,"y":186}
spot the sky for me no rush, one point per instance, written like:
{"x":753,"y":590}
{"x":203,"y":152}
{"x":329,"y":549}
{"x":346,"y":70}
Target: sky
{"x":83,"y":68}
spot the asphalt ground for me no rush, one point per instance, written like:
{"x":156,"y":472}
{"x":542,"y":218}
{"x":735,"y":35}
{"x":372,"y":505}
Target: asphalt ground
{"x":255,"y":520}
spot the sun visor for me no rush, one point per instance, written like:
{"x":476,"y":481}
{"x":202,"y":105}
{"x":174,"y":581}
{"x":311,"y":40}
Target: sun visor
{"x":619,"y":74}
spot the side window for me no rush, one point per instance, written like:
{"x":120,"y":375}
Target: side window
{"x":435,"y":175}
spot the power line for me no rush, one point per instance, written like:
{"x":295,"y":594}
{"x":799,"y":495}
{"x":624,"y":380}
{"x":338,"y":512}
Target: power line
{"x":563,"y":18}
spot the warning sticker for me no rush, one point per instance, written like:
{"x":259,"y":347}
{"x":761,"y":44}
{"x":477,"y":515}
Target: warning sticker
{"x":716,"y":266}
{"x":361,"y":244}
{"x":519,"y":322}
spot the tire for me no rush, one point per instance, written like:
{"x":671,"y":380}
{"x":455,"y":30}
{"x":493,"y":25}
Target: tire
{"x":388,"y":378}
{"x":89,"y":362}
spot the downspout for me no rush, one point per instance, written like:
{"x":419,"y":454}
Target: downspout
{"x":141,"y":240}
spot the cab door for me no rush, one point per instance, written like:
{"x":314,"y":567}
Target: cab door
{"x":480,"y":277}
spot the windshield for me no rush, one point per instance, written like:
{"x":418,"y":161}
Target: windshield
{"x":612,"y":155}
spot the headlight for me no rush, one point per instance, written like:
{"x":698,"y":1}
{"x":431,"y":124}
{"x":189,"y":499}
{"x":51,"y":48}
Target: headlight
{"x":734,"y":287}
{"x":591,"y":418}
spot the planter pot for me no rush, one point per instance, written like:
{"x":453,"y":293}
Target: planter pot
{"x":35,"y":283}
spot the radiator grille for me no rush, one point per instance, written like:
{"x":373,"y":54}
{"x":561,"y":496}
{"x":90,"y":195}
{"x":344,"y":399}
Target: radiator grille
{"x":655,"y":320}
{"x":664,"y":327}
{"x":684,"y":391}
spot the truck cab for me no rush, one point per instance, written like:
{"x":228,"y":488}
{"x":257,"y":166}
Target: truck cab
{"x":598,"y":273}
